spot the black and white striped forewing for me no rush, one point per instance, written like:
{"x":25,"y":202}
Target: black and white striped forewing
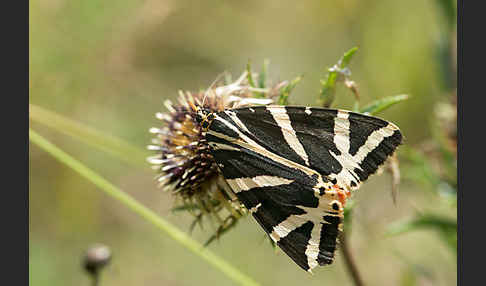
{"x":344,"y":146}
{"x":288,"y":165}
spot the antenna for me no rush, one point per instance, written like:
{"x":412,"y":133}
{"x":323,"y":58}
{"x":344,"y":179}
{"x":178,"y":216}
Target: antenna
{"x":211,"y":86}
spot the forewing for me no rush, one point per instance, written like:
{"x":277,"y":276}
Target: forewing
{"x":343,"y":146}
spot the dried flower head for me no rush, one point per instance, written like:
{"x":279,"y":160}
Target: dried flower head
{"x":184,"y":164}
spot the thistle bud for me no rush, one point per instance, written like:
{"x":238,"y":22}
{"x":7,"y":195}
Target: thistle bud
{"x":95,"y":258}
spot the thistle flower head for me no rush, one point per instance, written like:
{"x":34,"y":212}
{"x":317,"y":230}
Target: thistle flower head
{"x":183,"y":161}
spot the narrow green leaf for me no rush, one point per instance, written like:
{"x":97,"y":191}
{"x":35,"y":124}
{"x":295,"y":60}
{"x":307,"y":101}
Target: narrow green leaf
{"x":383,"y":103}
{"x":192,"y":207}
{"x":328,"y":90}
{"x":147,"y":214}
{"x":249,"y":75}
{"x":328,"y":86}
{"x":92,"y":137}
{"x":286,"y":90}
{"x":423,"y":221}
{"x":262,"y":77}
{"x":346,"y":59}
{"x":222,"y":229}
{"x":198,"y":221}
{"x":187,"y":207}
{"x":447,"y":227}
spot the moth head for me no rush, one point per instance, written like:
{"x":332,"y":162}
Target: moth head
{"x":204,"y":117}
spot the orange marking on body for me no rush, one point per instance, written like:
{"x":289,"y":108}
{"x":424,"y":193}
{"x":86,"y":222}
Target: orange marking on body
{"x":342,"y":194}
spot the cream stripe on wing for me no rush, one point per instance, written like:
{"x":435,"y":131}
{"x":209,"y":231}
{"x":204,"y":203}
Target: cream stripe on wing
{"x":235,"y":118}
{"x":342,"y":142}
{"x":221,"y":146}
{"x":245,"y":184}
{"x":287,"y":226}
{"x":341,"y":131}
{"x":294,"y":221}
{"x":280,"y":115}
{"x":312,"y":250}
{"x":373,"y":141}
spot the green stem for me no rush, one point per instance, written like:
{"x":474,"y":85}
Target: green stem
{"x":96,"y":279}
{"x":141,"y":210}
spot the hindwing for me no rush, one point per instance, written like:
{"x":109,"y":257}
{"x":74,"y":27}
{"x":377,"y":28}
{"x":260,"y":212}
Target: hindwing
{"x":287,"y":202}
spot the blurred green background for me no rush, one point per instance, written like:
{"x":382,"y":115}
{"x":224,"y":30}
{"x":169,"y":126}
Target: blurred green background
{"x":111,"y":64}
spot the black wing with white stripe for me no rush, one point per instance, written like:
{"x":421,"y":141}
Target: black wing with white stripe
{"x":293,"y":168}
{"x":345,"y":146}
{"x":286,"y":201}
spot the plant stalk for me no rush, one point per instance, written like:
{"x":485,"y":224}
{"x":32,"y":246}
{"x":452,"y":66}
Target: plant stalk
{"x":349,"y":260}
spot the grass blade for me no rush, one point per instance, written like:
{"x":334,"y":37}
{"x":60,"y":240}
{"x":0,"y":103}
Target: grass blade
{"x":89,"y":136}
{"x":147,"y":214}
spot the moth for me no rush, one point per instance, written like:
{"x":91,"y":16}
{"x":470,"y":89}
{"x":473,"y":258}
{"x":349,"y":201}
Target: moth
{"x":294,"y":167}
